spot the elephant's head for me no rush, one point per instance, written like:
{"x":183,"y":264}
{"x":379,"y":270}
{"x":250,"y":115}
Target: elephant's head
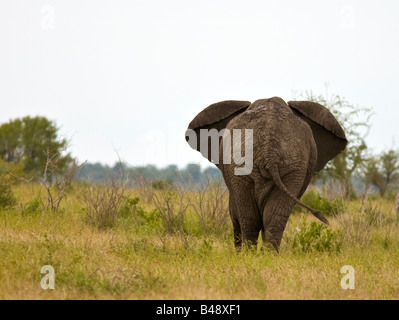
{"x":327,"y":132}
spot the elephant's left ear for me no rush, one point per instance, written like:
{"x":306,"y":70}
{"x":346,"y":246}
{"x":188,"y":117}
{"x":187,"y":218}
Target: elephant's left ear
{"x":328,"y":134}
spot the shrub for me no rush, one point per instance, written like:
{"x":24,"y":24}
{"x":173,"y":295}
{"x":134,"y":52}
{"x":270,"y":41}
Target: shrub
{"x":211,"y":206}
{"x":13,"y":171}
{"x":132,"y":209}
{"x":104,"y":203}
{"x":171,"y":205}
{"x":7,"y":197}
{"x":313,"y":199}
{"x":391,"y":195}
{"x":315,"y":237}
{"x":34,"y":205}
{"x":162,"y":184}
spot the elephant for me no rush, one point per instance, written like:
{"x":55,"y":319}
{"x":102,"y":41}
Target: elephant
{"x":290,"y":143}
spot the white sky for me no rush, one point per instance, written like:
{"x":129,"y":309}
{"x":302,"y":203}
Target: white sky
{"x":128,"y":76}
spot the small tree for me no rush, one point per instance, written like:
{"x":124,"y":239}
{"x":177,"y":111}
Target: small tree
{"x":390,"y":168}
{"x":28,"y":141}
{"x":371,"y":175}
{"x":382,"y":171}
{"x":11,"y":148}
{"x":57,"y":178}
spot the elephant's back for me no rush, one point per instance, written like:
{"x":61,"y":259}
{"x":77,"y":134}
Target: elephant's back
{"x":279,"y":136}
{"x":271,"y":124}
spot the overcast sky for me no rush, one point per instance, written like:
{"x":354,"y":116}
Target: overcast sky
{"x":127,"y":77}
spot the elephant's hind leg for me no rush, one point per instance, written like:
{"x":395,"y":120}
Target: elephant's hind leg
{"x":236,"y":224}
{"x":245,"y":214}
{"x":277,"y":210}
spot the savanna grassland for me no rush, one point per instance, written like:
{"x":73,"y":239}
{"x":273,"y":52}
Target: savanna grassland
{"x":158,"y":242}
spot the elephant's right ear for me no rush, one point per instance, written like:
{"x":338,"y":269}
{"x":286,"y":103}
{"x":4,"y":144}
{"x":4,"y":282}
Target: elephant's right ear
{"x":218,"y":112}
{"x":327,"y":132}
{"x":216,"y":116}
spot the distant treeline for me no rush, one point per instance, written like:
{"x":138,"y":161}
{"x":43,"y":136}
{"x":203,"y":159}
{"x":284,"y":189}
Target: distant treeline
{"x":193,"y":173}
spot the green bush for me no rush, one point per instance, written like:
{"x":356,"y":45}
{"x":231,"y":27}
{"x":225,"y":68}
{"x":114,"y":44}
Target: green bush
{"x":32,"y":206}
{"x":132,"y":209}
{"x":162,"y":184}
{"x":313,"y":199}
{"x":315,"y":237}
{"x":13,"y":171}
{"x":7,"y":197}
{"x":391,"y":195}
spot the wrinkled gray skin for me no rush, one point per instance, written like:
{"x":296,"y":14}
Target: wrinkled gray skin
{"x":285,"y":157}
{"x":287,"y":150}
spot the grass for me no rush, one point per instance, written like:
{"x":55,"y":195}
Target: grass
{"x":138,"y":258}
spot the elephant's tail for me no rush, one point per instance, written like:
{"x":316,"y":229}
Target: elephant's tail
{"x":277,"y":180}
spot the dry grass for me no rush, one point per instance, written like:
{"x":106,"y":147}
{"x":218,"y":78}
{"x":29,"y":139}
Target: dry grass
{"x":138,"y":259}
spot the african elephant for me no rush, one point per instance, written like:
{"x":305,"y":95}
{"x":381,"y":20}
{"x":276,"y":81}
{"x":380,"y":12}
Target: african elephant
{"x":290,"y":143}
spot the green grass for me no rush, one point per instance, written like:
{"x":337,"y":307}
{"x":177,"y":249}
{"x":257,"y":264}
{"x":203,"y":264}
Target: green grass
{"x":138,"y":258}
